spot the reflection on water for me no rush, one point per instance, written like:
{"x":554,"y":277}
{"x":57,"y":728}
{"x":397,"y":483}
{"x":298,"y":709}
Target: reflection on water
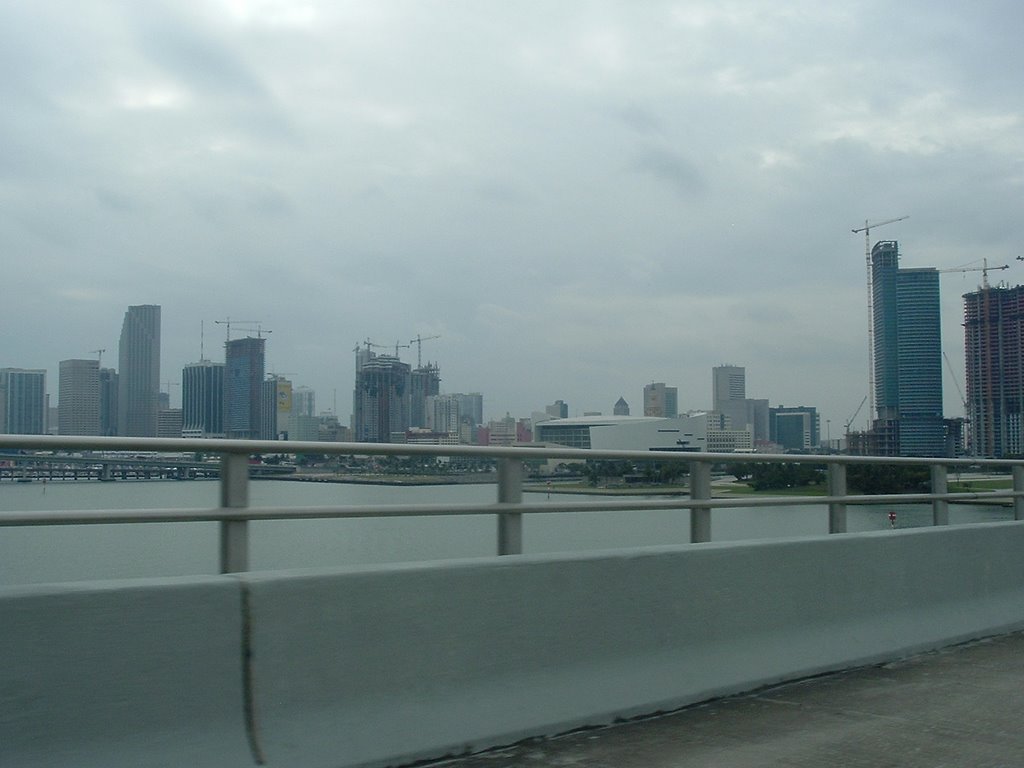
{"x":66,"y":553}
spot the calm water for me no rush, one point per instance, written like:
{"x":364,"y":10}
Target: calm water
{"x":66,"y":553}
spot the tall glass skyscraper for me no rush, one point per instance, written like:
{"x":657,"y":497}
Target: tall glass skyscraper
{"x":138,"y":397}
{"x":202,"y":399}
{"x":22,"y":401}
{"x":243,"y":376}
{"x":908,"y":356}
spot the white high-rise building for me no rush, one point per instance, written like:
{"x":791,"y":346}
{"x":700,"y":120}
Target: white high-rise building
{"x":78,"y":409}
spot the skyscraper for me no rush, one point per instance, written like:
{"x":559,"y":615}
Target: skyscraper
{"x":139,"y":372}
{"x":660,"y":400}
{"x":78,"y":409}
{"x":22,"y":401}
{"x":108,"y":401}
{"x":243,"y":379}
{"x":994,"y":355}
{"x":425,"y":382}
{"x":381,"y":400}
{"x":277,"y":408}
{"x":907,"y":357}
{"x":202,"y":399}
{"x":728,"y":385}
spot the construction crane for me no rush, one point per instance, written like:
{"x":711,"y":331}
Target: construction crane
{"x":853,"y":418}
{"x":866,"y":229}
{"x":984,"y":269}
{"x":418,"y":341}
{"x":99,"y":356}
{"x":400,"y":346}
{"x":228,"y":321}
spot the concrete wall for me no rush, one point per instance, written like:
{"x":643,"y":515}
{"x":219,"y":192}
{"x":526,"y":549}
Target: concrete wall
{"x":373,"y":666}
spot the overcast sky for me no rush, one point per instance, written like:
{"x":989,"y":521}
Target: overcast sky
{"x":579,"y":198}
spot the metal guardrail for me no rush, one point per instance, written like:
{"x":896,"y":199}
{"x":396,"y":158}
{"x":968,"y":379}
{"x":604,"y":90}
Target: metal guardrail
{"x":234,"y":512}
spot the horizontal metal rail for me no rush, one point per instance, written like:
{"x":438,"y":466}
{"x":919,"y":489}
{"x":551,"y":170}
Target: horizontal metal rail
{"x":234,"y":512}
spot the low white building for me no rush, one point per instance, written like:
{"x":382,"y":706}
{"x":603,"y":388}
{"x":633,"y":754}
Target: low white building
{"x":627,"y":433}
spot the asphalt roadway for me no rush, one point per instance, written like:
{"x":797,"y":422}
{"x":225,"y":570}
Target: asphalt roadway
{"x":955,"y":708}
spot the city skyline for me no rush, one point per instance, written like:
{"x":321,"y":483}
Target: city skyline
{"x":574,"y":199}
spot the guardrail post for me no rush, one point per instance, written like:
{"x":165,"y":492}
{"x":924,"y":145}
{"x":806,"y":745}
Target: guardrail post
{"x":234,"y":494}
{"x":940,"y":484}
{"x":1018,"y":487}
{"x":700,"y":489}
{"x":836,"y":488}
{"x":510,"y":491}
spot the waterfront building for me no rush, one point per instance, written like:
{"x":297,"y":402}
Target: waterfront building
{"x":907,"y":357}
{"x":381,"y":400}
{"x":78,"y":406}
{"x":23,"y":402}
{"x":244,"y":361}
{"x":507,"y":431}
{"x":661,"y":401}
{"x":641,"y":433}
{"x":994,"y":356}
{"x":794,"y":429}
{"x":139,"y":372}
{"x":202,"y":399}
{"x":621,"y":407}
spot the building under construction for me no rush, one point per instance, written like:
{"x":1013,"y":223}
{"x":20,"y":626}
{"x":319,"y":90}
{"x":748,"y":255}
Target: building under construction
{"x":994,"y":356}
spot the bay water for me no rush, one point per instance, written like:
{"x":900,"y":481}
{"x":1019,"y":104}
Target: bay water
{"x":40,"y":554}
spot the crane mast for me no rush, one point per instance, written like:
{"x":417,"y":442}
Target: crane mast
{"x":866,"y":229}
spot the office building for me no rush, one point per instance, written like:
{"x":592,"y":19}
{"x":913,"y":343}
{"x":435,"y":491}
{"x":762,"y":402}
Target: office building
{"x":382,"y":398}
{"x":994,"y":356}
{"x":729,"y":385}
{"x":471,"y":408}
{"x":244,"y":362}
{"x":661,"y":401}
{"x":732,"y":410}
{"x":303,"y":402}
{"x":907,"y":357}
{"x":78,"y":406}
{"x":557,"y":410}
{"x":139,"y":372}
{"x":794,"y":429}
{"x":202,"y":399}
{"x":22,"y":401}
{"x":169,"y":422}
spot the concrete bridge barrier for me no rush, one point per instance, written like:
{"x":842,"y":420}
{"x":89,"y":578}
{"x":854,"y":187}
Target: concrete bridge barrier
{"x":128,"y":673}
{"x":380,"y":665}
{"x":372,"y":666}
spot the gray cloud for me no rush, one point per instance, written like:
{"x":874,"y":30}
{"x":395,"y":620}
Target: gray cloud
{"x":577,"y":199}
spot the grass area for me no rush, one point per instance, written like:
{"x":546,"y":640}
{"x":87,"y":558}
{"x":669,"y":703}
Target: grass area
{"x":742,"y":489}
{"x":995,"y":484}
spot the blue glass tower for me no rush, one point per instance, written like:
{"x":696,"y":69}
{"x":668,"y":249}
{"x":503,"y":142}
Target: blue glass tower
{"x":907,"y":356}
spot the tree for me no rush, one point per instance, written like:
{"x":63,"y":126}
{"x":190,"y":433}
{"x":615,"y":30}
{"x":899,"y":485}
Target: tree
{"x":874,"y":479}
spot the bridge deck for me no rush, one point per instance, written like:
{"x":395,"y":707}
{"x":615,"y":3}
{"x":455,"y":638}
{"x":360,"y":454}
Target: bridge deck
{"x":959,"y":706}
